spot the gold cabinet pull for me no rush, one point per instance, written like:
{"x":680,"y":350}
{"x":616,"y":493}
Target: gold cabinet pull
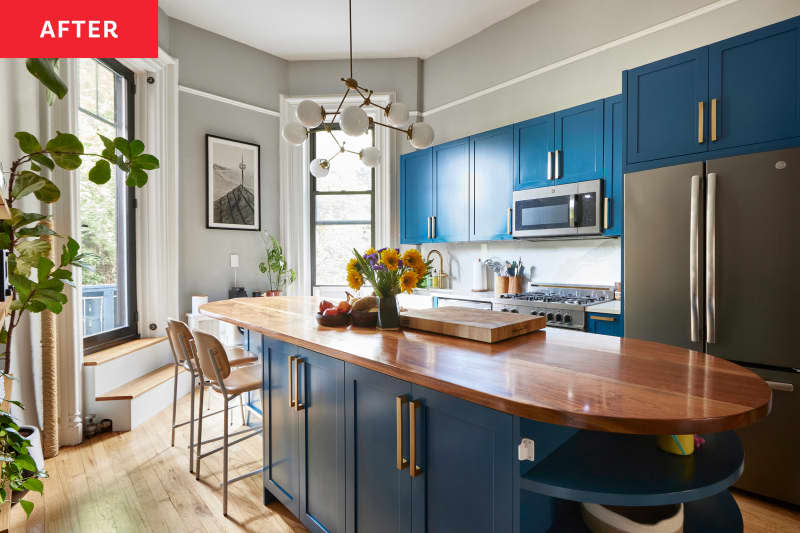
{"x":602,"y":318}
{"x":700,"y":122}
{"x":508,"y":220}
{"x":713,"y":120}
{"x":415,"y":470}
{"x":291,"y":380}
{"x":400,"y":401}
{"x":605,"y":213}
{"x":298,"y":361}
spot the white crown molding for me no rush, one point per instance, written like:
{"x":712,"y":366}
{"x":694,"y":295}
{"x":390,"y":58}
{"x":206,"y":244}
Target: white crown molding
{"x":230,"y":101}
{"x":152,"y":64}
{"x":583,"y":55}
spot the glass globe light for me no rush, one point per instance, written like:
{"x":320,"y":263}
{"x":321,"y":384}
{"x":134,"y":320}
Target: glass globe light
{"x":354,"y":121}
{"x":421,"y":135}
{"x":294,"y":133}
{"x":309,"y":113}
{"x":320,"y":167}
{"x":398,"y":114}
{"x":370,"y":156}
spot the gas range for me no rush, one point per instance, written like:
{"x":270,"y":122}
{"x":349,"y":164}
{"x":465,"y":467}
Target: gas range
{"x":562,"y":305}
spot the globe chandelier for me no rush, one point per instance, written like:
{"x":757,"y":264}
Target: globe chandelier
{"x":354,"y":121}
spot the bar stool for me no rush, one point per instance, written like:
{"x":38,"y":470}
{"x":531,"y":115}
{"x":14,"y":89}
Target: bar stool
{"x":184,"y":356}
{"x":230,"y":382}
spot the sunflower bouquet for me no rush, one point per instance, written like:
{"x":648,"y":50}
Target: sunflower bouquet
{"x":387,"y":271}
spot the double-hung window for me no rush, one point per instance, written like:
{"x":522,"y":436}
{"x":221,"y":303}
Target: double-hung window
{"x":106,"y":211}
{"x":342,"y":208}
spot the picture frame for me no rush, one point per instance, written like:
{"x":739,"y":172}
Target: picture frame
{"x":233,"y":184}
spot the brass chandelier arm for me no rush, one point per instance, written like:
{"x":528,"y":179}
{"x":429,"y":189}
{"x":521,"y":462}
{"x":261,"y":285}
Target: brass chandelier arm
{"x":406,"y":131}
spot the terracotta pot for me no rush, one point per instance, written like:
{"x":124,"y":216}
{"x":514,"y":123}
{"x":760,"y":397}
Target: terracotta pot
{"x":272,"y":293}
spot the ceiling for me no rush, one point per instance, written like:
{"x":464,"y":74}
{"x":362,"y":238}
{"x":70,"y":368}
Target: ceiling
{"x":317,"y":29}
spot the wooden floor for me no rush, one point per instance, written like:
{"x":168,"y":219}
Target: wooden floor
{"x":136,"y":482}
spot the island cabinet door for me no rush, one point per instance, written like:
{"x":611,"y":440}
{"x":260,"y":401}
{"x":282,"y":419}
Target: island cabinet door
{"x":464,"y":457}
{"x":281,"y":447}
{"x":378,"y":481}
{"x":320,"y":406}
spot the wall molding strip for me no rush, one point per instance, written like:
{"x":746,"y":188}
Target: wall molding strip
{"x":230,"y":101}
{"x":583,"y":55}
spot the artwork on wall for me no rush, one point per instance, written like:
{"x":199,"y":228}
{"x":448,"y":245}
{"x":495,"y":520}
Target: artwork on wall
{"x":233,"y":184}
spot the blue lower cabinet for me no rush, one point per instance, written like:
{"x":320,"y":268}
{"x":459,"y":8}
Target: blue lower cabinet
{"x":378,"y":492}
{"x":464,"y":456}
{"x":253,"y":342}
{"x":604,"y":324}
{"x":612,"y":165}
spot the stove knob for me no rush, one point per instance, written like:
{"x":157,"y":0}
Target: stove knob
{"x":541,"y":313}
{"x":558,"y":318}
{"x":504,"y":310}
{"x":514,"y":311}
{"x":549,"y":316}
{"x":567,"y":319}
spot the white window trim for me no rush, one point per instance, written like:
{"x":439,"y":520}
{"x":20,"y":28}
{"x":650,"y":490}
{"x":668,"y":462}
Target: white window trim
{"x":295,"y":186}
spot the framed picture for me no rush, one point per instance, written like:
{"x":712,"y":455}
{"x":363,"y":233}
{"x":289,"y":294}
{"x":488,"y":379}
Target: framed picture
{"x":233,"y":184}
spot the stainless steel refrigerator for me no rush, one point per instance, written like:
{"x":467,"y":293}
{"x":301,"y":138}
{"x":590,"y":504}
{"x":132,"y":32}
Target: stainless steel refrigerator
{"x":712,"y":263}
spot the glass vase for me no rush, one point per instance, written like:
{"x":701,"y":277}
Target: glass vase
{"x":387,"y":313}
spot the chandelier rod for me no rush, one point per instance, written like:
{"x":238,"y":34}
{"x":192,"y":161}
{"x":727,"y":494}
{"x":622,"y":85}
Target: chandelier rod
{"x":350,"y":15}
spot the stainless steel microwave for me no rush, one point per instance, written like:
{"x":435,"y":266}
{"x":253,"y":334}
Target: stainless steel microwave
{"x":569,"y":209}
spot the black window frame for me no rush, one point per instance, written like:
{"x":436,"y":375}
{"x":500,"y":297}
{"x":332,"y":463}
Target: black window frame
{"x":314,"y":193}
{"x":107,"y":339}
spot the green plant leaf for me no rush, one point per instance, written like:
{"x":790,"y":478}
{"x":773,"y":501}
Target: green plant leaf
{"x":110,"y":151}
{"x":46,"y":71}
{"x":138,"y":176}
{"x":27,"y":506}
{"x":123,"y":146}
{"x":20,"y":218}
{"x":146,"y":162}
{"x":43,"y":269}
{"x":61,"y":273}
{"x":23,"y":285}
{"x":44,"y":161}
{"x":5,"y":241}
{"x":49,"y":303}
{"x":26,"y":462}
{"x":48,"y":194}
{"x":26,"y":183}
{"x":28,"y":254}
{"x":35,"y":167}
{"x":36,"y":231}
{"x":65,"y":149}
{"x":69,"y":251}
{"x":100,"y":173}
{"x":27,"y":142}
{"x":37,"y":307}
{"x":15,"y":305}
{"x":136,"y":148}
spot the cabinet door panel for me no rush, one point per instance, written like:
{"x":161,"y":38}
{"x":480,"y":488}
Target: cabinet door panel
{"x":322,"y":447}
{"x":605,"y":324}
{"x":416,"y":195}
{"x":755,"y":79}
{"x":378,"y":494}
{"x":662,"y":107}
{"x":614,"y":118}
{"x":533,"y":140}
{"x":451,"y":191}
{"x":281,"y":476}
{"x":579,"y":141}
{"x":492,"y":184}
{"x":458,"y":440}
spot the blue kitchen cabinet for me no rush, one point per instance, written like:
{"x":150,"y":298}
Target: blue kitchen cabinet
{"x":459,"y":440}
{"x":612,"y":165}
{"x":578,"y":152}
{"x":604,"y":324}
{"x":534,"y":144}
{"x":451,"y":191}
{"x":253,"y":342}
{"x":666,"y":107}
{"x":491,"y":176}
{"x":378,"y":495}
{"x":754,"y":87}
{"x":416,"y":196}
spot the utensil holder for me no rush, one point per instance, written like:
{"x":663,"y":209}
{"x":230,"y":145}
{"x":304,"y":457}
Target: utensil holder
{"x":501,"y":284}
{"x":516,"y":284}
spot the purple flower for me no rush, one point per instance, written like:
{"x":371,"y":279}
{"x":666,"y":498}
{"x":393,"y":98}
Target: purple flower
{"x":378,"y":266}
{"x":382,"y":249}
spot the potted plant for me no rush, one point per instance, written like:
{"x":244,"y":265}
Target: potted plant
{"x":389,"y":273}
{"x":38,"y":283}
{"x":278,"y":273}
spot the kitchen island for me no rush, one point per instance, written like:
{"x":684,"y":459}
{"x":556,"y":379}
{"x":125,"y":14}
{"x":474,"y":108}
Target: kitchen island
{"x":410,"y":431}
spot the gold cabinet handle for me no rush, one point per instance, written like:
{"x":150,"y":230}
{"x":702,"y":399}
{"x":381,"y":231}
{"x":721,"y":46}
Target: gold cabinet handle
{"x":415,"y":470}
{"x":508,"y":220}
{"x":400,"y":401}
{"x":605,"y":212}
{"x":291,"y":380}
{"x":700,"y":122}
{"x":602,"y":318}
{"x":713,"y":120}
{"x":298,"y":361}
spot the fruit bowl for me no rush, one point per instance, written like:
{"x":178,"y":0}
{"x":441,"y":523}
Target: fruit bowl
{"x":333,"y":321}
{"x":364,"y":319}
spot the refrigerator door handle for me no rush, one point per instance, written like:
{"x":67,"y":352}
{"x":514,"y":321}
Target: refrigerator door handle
{"x":711,"y":258}
{"x":694,"y":260}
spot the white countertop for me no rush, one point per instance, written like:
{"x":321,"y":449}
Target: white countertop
{"x":614,"y":307}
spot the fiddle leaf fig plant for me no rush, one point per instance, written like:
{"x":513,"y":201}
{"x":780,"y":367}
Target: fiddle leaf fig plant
{"x":278,"y":272}
{"x":37,"y":282}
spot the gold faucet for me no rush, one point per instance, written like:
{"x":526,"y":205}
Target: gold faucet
{"x":438,"y":280}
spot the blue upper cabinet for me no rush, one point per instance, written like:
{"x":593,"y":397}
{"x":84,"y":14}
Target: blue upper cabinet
{"x":534,"y":144}
{"x":754,"y":87}
{"x":612,"y":165}
{"x":451,"y":191}
{"x":666,"y":104}
{"x":416,"y":196}
{"x":491,"y":174}
{"x":579,"y":143}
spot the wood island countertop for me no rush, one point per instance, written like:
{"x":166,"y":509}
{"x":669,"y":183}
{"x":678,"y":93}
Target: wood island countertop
{"x":556,"y":376}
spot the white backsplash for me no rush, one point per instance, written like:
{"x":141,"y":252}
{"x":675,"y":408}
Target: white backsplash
{"x":590,"y":262}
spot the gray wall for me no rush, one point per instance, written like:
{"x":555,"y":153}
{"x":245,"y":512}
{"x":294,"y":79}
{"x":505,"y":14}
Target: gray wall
{"x":163,"y":30}
{"x":226,"y":68}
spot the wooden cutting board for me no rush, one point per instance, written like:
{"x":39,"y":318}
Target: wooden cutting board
{"x":475,"y":324}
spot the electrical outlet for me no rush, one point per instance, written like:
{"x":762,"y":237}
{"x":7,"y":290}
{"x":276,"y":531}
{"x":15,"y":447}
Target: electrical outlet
{"x":525,"y":450}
